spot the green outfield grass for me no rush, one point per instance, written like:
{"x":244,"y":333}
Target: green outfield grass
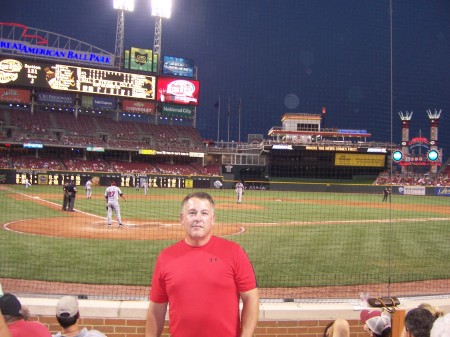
{"x":308,"y":239}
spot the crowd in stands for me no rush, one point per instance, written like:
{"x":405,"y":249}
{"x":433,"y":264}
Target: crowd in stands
{"x":413,"y":179}
{"x":80,"y":165}
{"x":63,"y":128}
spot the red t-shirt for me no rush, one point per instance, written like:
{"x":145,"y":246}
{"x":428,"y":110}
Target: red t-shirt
{"x":202,"y":286}
{"x":23,"y":328}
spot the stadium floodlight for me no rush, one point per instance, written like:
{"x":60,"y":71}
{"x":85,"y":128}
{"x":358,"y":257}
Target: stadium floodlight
{"x":162,"y":8}
{"x":121,"y":6}
{"x":124,"y":5}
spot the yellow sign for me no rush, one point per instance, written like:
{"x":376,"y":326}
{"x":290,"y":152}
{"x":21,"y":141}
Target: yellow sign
{"x":144,"y":151}
{"x":353,"y":159}
{"x":188,"y":183}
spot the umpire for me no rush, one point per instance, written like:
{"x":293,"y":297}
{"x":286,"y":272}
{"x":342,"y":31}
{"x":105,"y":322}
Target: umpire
{"x":65,"y":197}
{"x":71,"y":195}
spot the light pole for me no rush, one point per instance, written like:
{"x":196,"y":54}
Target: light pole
{"x":121,"y":6}
{"x":160,"y":9}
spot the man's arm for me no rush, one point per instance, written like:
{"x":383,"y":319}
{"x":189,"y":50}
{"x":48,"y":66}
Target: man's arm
{"x":156,"y":316}
{"x":4,"y":332}
{"x":250,"y":312}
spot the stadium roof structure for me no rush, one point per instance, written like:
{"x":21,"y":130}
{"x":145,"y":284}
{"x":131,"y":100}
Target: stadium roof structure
{"x":20,"y":40}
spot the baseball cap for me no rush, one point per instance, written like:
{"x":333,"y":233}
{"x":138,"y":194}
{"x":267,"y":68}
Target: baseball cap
{"x":67,"y":305}
{"x":10,"y":305}
{"x":366,"y":314}
{"x":378,"y":323}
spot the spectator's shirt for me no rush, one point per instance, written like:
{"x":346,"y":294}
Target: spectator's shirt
{"x":23,"y":328}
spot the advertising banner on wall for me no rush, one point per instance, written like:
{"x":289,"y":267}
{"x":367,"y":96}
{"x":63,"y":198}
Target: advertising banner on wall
{"x":171,"y":110}
{"x":11,"y":95}
{"x":353,"y":159}
{"x":442,"y":191}
{"x":54,"y":98}
{"x":139,"y":107}
{"x":178,"y":66}
{"x":178,"y":91}
{"x":141,"y":59}
{"x":87,"y":101}
{"x":104,"y":103}
{"x":411,"y":190}
{"x":77,"y":79}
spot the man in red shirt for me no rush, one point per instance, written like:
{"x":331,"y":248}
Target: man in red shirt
{"x":16,"y":319}
{"x":201,"y":279}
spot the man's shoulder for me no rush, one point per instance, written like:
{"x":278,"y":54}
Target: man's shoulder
{"x":94,"y":333}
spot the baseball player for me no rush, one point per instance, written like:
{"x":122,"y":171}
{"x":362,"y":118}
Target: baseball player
{"x":27,"y":183}
{"x":145,"y":187}
{"x":112,"y":194}
{"x":88,"y":188}
{"x":239,"y":191}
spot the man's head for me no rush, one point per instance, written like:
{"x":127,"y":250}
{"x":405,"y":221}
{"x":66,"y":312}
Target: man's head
{"x":67,"y":311}
{"x":197,"y":217}
{"x":10,"y":305}
{"x":418,"y":323}
{"x":113,"y":183}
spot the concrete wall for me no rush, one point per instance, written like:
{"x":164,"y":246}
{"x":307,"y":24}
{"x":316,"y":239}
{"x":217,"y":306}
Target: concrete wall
{"x":127,"y":318}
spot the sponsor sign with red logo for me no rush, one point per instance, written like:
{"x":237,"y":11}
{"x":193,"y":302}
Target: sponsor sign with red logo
{"x":138,"y":107}
{"x":12,"y":95}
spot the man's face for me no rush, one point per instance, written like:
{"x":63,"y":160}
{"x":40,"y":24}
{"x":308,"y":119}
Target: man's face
{"x":197,"y":218}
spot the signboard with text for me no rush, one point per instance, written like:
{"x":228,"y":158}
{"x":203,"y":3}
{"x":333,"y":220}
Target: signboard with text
{"x":76,"y":79}
{"x":178,"y":66}
{"x":178,"y":91}
{"x":12,"y":95}
{"x":140,"y":107}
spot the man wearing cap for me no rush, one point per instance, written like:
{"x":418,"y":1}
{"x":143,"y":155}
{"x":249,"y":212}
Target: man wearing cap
{"x":67,"y":315}
{"x":376,"y":324}
{"x":16,"y":319}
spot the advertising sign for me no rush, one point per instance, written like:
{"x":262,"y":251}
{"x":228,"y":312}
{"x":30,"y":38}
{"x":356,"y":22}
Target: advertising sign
{"x":104,"y":103}
{"x":171,"y":110}
{"x":11,"y":95}
{"x":353,"y":159}
{"x":178,"y":66}
{"x":141,"y":59}
{"x":54,"y":98}
{"x":77,"y":79}
{"x":412,"y":190}
{"x":442,"y":191}
{"x":87,"y":101}
{"x":138,"y":107}
{"x":173,"y":90}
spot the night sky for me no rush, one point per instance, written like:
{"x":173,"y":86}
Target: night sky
{"x":285,"y":56}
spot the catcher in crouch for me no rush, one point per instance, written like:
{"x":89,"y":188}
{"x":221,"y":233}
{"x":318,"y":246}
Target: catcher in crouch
{"x":112,"y":194}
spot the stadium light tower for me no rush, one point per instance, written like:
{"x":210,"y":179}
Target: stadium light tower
{"x":160,"y":9}
{"x":121,"y":6}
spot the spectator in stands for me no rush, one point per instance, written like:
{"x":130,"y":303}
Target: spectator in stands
{"x":16,"y":318}
{"x":182,"y":277}
{"x":4,"y":332}
{"x":418,"y":323}
{"x":376,"y":324}
{"x":68,"y":315}
{"x":337,"y":328}
{"x":441,"y":327}
{"x":435,"y":311}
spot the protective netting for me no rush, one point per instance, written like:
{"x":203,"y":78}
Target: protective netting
{"x":298,"y":100}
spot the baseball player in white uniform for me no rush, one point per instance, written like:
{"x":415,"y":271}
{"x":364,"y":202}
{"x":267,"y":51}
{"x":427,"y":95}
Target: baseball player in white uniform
{"x":112,"y":194}
{"x":145,"y":187}
{"x":239,"y":191}
{"x":27,"y":183}
{"x":88,"y":188}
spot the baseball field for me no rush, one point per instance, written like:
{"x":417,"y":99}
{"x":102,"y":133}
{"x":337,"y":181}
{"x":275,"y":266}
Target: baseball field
{"x":294,"y":239}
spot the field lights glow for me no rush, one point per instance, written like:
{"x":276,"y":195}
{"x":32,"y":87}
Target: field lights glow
{"x":125,"y":5}
{"x":162,"y":8}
